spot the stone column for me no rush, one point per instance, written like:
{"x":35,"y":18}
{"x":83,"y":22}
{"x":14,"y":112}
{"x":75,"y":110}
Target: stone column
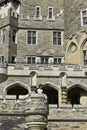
{"x":37,"y":112}
{"x":64,"y":94}
{"x":63,"y":88}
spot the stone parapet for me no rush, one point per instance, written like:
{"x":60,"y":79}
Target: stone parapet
{"x":54,"y":70}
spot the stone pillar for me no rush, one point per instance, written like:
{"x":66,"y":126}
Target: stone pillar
{"x":64,"y":94}
{"x":37,"y":112}
{"x":63,"y":88}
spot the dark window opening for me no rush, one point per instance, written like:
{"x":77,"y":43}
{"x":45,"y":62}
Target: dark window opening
{"x":57,"y":61}
{"x":3,"y":35}
{"x":84,"y":15}
{"x":14,"y":36}
{"x":2,"y":59}
{"x":51,"y":93}
{"x":85,"y":57}
{"x":37,"y":12}
{"x":50,"y":12}
{"x":74,"y":95}
{"x":13,"y":59}
{"x":17,"y":91}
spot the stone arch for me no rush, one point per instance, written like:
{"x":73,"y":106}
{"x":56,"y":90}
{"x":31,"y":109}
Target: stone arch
{"x":71,"y":51}
{"x":69,"y":44}
{"x":52,"y":93}
{"x":17,"y":88}
{"x":77,"y":94}
{"x":83,"y":51}
{"x":82,"y":40}
{"x":33,"y":78}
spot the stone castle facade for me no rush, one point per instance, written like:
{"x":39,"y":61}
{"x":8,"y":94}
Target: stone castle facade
{"x":43,"y":65}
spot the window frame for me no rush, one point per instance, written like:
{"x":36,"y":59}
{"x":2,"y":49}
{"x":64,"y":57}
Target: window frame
{"x":44,"y":60}
{"x":57,"y":38}
{"x":31,"y":57}
{"x":14,"y":59}
{"x":82,"y":17}
{"x":14,"y":35}
{"x":31,"y":31}
{"x":39,"y":16}
{"x":2,"y":61}
{"x":57,"y":60}
{"x":48,"y":17}
{"x":84,"y":57}
{"x":3,"y":36}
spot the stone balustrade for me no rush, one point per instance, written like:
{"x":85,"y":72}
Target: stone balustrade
{"x":54,"y":70}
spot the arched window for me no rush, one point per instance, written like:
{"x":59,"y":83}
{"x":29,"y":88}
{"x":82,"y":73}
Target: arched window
{"x":51,"y":93}
{"x":77,"y":95}
{"x":17,"y":90}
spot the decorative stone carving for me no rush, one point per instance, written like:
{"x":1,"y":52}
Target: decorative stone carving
{"x":73,"y":48}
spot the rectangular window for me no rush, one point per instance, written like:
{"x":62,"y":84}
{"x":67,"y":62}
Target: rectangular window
{"x":31,"y":60}
{"x":56,"y":38}
{"x":50,"y":12}
{"x":13,"y":59}
{"x":38,"y":11}
{"x":57,"y":61}
{"x":85,"y":57}
{"x":1,"y":59}
{"x":44,"y":60}
{"x":84,"y":17}
{"x":14,"y":36}
{"x":3,"y":35}
{"x":31,"y":37}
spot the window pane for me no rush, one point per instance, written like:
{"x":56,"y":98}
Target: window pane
{"x":3,"y":38}
{"x":84,"y":20}
{"x":13,"y":59}
{"x":54,"y":34}
{"x":59,"y":34}
{"x":29,"y":40}
{"x":55,"y":60}
{"x":42,"y":60}
{"x":46,"y":60}
{"x":33,"y":34}
{"x":33,"y":60}
{"x":59,"y":41}
{"x":29,"y":60}
{"x":1,"y":58}
{"x":29,"y":34}
{"x":34,"y":40}
{"x":84,"y":13}
{"x":37,"y":12}
{"x":50,"y":12}
{"x":59,"y":60}
{"x":54,"y":41}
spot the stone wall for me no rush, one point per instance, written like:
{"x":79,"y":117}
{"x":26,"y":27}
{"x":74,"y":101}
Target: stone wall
{"x":72,"y":15}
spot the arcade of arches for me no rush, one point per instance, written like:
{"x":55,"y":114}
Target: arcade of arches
{"x":75,"y":95}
